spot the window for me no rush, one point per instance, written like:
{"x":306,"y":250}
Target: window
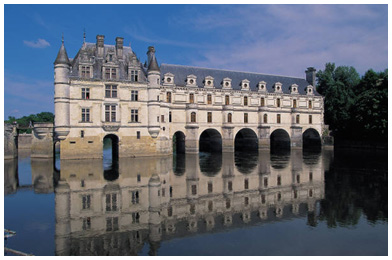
{"x":209,"y":117}
{"x":310,"y":176}
{"x":170,"y":117}
{"x":194,"y":190}
{"x":209,"y":99}
{"x":295,"y":194}
{"x":245,"y":117}
{"x":210,"y":187}
{"x":278,"y":102}
{"x":112,"y":224}
{"x":229,"y":118}
{"x":278,"y":118}
{"x":191,"y":98}
{"x":193,"y":117}
{"x":168,"y":97}
{"x":110,"y":73}
{"x":134,"y":95}
{"x":85,"y":93}
{"x":87,"y":223}
{"x":265,"y":182}
{"x":263,"y":198}
{"x":294,"y":103}
{"x":134,"y":115}
{"x":265,"y":119}
{"x":297,"y":119}
{"x":85,"y":72}
{"x":81,"y":133}
{"x":279,"y":181}
{"x":310,"y":119}
{"x":135,"y":217}
{"x":210,"y":206}
{"x":138,"y":134}
{"x":246,"y":184}
{"x":228,"y":203}
{"x":111,"y":202}
{"x":245,"y":101}
{"x":262,"y":102}
{"x":134,"y":75}
{"x":111,"y":91}
{"x":310,"y":193}
{"x":86,"y":202}
{"x":227,"y":100}
{"x":310,"y":104}
{"x":298,"y":178}
{"x":110,"y":113}
{"x":139,"y":178}
{"x":85,"y":114}
{"x":230,"y":185}
{"x":135,"y":197}
{"x":163,"y":118}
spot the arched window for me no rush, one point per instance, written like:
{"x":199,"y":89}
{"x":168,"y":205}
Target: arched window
{"x":191,"y":98}
{"x":227,"y":100}
{"x":297,"y":119}
{"x":262,"y":102}
{"x":193,"y":117}
{"x":265,"y":118}
{"x":245,"y":101}
{"x":168,"y":97}
{"x":229,"y":118}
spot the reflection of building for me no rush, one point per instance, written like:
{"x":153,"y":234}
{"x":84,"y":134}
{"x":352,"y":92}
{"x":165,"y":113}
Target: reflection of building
{"x":105,"y":89}
{"x":150,"y":202}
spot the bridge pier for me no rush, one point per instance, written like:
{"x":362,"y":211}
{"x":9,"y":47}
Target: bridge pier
{"x":296,"y":137}
{"x":264,"y":138}
{"x":42,"y":143}
{"x":191,"y":140}
{"x":10,"y":142}
{"x":227,"y":139}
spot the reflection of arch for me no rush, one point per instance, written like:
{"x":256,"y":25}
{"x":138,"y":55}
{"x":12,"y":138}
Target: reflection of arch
{"x":56,"y":156}
{"x":246,"y":140}
{"x":279,"y":140}
{"x":280,"y":158}
{"x":110,"y":157}
{"x":246,"y":162}
{"x":311,"y":138}
{"x":210,"y":141}
{"x":179,"y":142}
{"x":210,"y":163}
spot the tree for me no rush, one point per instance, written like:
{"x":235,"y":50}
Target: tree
{"x":25,"y":120}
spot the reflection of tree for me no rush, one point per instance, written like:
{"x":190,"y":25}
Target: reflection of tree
{"x":353,"y":188}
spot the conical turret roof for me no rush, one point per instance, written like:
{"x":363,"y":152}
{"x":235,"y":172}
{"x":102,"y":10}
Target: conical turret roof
{"x":62,"y":57}
{"x":153,"y":64}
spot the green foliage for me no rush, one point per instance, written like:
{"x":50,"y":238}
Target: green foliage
{"x":25,"y":120}
{"x":354,"y":107}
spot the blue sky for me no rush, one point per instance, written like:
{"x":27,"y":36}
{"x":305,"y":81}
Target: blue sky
{"x":272,"y":39}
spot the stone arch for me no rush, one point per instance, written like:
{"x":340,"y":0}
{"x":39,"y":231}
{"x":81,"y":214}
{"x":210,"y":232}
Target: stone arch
{"x":110,"y":156}
{"x":280,"y":140}
{"x":210,"y":140}
{"x":179,"y":142}
{"x":246,"y":140}
{"x":311,"y":139}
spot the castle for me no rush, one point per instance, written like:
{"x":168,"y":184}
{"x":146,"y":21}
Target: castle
{"x":106,"y":92}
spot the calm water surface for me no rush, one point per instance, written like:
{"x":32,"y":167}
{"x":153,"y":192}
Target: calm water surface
{"x":292,"y":203}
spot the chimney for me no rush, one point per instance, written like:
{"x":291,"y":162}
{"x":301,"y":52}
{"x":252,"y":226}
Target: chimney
{"x":119,"y":46}
{"x":311,"y":76}
{"x":100,"y":45}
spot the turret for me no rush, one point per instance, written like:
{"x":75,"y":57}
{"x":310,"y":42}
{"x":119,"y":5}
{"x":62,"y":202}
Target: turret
{"x":311,"y":76}
{"x":153,"y":76}
{"x":61,"y":93}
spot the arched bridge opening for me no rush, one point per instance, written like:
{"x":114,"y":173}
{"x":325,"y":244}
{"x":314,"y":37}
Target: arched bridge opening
{"x":311,"y":139}
{"x":280,"y":141}
{"x":246,"y":140}
{"x":110,"y":157}
{"x":210,"y":141}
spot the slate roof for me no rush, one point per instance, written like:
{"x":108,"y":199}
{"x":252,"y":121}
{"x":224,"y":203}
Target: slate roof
{"x":181,"y":72}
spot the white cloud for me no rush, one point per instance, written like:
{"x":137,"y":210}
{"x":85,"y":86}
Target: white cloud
{"x":40,"y":43}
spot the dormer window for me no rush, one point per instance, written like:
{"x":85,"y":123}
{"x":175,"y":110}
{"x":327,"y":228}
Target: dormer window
{"x":294,"y":89}
{"x":110,"y":73}
{"x":245,"y":84}
{"x":134,"y":75}
{"x":278,"y":87}
{"x":191,"y":81}
{"x":262,"y":86}
{"x":168,"y":79}
{"x":226,"y":84}
{"x":309,"y":90}
{"x":209,"y":82}
{"x":85,"y":72}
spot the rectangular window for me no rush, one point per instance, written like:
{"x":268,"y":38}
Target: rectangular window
{"x":138,"y":134}
{"x":191,"y":98}
{"x":245,"y":117}
{"x":310,"y":103}
{"x":85,"y":93}
{"x":82,"y":133}
{"x":170,"y":117}
{"x":265,"y":182}
{"x":139,"y":178}
{"x":87,"y":223}
{"x":107,"y":73}
{"x":134,"y":115}
{"x":163,"y":118}
{"x":85,"y":115}
{"x":134,"y":95}
{"x":245,"y":101}
{"x":227,"y":100}
{"x":262,"y":102}
{"x":111,"y":91}
{"x":85,"y":72}
{"x":279,"y":181}
{"x":112,"y":224}
{"x":294,"y":103}
{"x":209,"y":99}
{"x":230,"y":186}
{"x":135,"y":217}
{"x":310,"y":119}
{"x":278,"y":118}
{"x":297,"y":119}
{"x":209,"y":117}
{"x":168,"y":97}
{"x":278,"y":102}
{"x":111,"y":202}
{"x":135,"y":197}
{"x":310,"y":176}
{"x":135,"y":75}
{"x":110,"y":113}
{"x":210,"y":187}
{"x":246,"y":184}
{"x":86,"y":202}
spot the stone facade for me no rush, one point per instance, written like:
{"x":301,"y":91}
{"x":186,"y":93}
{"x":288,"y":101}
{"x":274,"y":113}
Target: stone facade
{"x":106,"y":90}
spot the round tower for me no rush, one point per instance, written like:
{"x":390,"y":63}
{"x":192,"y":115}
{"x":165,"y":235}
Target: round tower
{"x":61,"y":93}
{"x":153,"y":76}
